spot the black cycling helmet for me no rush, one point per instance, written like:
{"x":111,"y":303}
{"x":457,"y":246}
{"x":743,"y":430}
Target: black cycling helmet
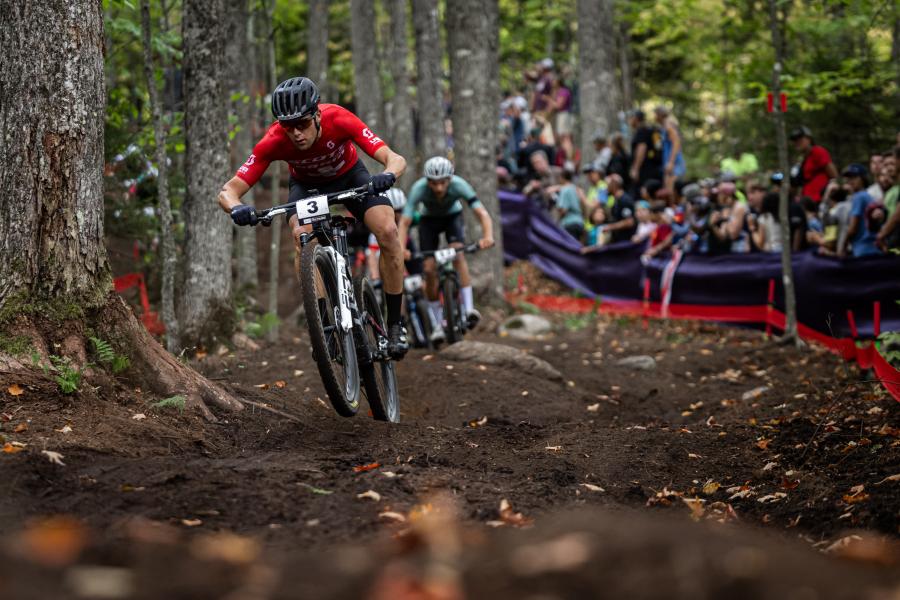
{"x":295,"y":98}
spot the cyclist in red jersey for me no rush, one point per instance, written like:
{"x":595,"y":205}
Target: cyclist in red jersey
{"x":317,"y":142}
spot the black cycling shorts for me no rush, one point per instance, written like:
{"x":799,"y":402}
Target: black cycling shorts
{"x":357,"y":175}
{"x":431,"y":228}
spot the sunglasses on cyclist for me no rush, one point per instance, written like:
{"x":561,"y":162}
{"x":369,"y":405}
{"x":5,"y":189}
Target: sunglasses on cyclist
{"x":298,"y":124}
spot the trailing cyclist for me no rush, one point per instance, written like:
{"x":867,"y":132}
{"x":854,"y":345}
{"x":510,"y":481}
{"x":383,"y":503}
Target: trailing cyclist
{"x":316,"y":140}
{"x":438,"y":196}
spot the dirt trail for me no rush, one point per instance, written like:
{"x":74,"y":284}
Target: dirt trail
{"x":786,"y":463}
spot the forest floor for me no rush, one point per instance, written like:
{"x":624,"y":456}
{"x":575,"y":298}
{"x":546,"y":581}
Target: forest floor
{"x":686,"y":481}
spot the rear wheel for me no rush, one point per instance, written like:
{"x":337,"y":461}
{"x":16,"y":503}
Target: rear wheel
{"x":450,"y":292}
{"x":332,"y":347}
{"x":378,"y":376}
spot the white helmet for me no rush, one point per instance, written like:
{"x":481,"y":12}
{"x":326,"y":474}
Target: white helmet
{"x":397,"y":198}
{"x":438,"y":167}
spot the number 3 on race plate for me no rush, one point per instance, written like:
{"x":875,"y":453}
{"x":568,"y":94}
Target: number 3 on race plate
{"x":310,"y":210}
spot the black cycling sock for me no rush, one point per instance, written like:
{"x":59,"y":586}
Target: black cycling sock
{"x":394,"y":304}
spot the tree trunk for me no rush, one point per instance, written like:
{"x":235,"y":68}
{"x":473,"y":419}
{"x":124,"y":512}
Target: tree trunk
{"x":598,"y":90}
{"x":317,"y":47}
{"x":275,"y":173}
{"x":240,"y":34}
{"x":895,"y":56}
{"x":402,"y":130}
{"x":366,"y":78}
{"x":53,"y":266}
{"x":164,"y":209}
{"x":790,"y":301}
{"x":473,"y":41}
{"x":429,"y":74}
{"x":624,"y":39}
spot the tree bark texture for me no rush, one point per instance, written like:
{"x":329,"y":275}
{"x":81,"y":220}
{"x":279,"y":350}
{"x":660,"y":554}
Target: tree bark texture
{"x":624,"y":48}
{"x":598,"y":90}
{"x":164,"y":208}
{"x":429,"y":75}
{"x":473,"y":42}
{"x":206,"y":310}
{"x":366,"y":78}
{"x":52,"y":109}
{"x":238,"y":53}
{"x":787,"y":269}
{"x":275,"y":182}
{"x":317,"y":47}
{"x":402,"y":132}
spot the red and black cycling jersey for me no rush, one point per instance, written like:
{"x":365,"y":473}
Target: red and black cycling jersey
{"x":332,"y":155}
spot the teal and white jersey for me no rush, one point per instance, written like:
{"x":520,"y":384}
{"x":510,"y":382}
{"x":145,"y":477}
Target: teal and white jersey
{"x":422,"y":200}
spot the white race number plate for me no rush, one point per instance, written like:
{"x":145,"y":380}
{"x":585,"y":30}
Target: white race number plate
{"x":310,"y":210}
{"x":444,"y":255}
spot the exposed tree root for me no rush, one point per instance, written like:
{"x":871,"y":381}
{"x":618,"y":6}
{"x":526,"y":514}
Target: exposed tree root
{"x":151,"y":367}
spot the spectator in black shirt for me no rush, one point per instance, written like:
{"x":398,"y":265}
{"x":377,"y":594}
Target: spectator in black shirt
{"x":622,"y":223}
{"x":646,"y":151}
{"x":533,"y":144}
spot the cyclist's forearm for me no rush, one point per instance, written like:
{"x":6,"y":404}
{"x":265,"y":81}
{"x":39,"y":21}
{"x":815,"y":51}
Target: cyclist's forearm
{"x":393,"y":162}
{"x":231,"y":193}
{"x":404,"y":229}
{"x":487,"y":224}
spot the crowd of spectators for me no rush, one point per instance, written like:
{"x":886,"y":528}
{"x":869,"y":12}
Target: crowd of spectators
{"x":634,"y":187}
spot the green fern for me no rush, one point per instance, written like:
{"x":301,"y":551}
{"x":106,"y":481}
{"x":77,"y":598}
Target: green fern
{"x":171,"y":402}
{"x":67,"y":377}
{"x":107,"y":356}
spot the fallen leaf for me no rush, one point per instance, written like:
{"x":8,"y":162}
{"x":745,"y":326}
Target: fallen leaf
{"x":139,"y":417}
{"x":280,"y":384}
{"x":769,"y":466}
{"x":389,"y":474}
{"x":393,"y":516}
{"x":298,"y":373}
{"x":706,"y":352}
{"x":593,"y":407}
{"x":191,"y":522}
{"x":15,"y":390}
{"x":772,"y":497}
{"x":510,"y":517}
{"x":553,"y":448}
{"x":449,"y":367}
{"x":857,"y":494}
{"x":763,"y":444}
{"x":226,"y":547}
{"x":696,"y":506}
{"x":789,"y":484}
{"x":592,"y":487}
{"x":711,"y":487}
{"x":20,"y":428}
{"x":370,"y":494}
{"x":10,"y":448}
{"x":54,"y":457}
{"x":315,"y":490}
{"x":368,"y":467}
{"x":201,"y":354}
{"x":695,"y":456}
{"x":478,"y":422}
{"x":262,"y":386}
{"x":428,"y":357}
{"x":53,"y":542}
{"x":890,"y":478}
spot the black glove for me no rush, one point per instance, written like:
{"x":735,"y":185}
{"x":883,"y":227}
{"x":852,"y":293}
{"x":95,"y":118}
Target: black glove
{"x":382,"y":182}
{"x":244,"y":215}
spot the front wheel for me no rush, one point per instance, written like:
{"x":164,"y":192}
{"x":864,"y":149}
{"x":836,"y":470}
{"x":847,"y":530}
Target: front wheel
{"x":378,"y":376}
{"x":332,"y":347}
{"x":452,"y":310}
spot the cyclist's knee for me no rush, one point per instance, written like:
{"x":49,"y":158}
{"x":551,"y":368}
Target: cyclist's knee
{"x":388,"y":237}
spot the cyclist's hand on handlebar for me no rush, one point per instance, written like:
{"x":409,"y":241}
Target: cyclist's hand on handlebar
{"x":382,"y":182}
{"x":485,"y":243}
{"x":407,"y":255}
{"x":244,"y":215}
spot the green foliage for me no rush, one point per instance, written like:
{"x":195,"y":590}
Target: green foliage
{"x":889,"y":347}
{"x":67,"y":377}
{"x":171,"y":402}
{"x":108,"y":357}
{"x":260,"y":327}
{"x":15,"y":345}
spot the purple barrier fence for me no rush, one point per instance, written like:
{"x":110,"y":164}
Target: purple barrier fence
{"x":826,"y":287}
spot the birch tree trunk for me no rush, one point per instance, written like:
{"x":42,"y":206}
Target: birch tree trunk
{"x":274,"y":186}
{"x":55,"y":282}
{"x":317,"y":47}
{"x":366,"y":79}
{"x":402,"y":132}
{"x":599,"y":98}
{"x":164,"y":208}
{"x":240,"y":34}
{"x":429,"y":95}
{"x":473,"y":41}
{"x":624,"y":40}
{"x":787,"y":269}
{"x":206,"y":311}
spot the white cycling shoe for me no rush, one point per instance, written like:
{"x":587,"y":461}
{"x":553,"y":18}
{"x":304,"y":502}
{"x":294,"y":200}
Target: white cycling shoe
{"x":437,"y":335}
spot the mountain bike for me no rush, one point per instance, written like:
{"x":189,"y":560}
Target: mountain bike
{"x":346,"y":327}
{"x":418,"y":315}
{"x":448,"y":284}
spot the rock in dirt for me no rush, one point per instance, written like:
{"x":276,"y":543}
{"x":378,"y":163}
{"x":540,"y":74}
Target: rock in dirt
{"x":641,"y":362}
{"x":243,"y":342}
{"x":501,"y":356}
{"x":526,"y":327}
